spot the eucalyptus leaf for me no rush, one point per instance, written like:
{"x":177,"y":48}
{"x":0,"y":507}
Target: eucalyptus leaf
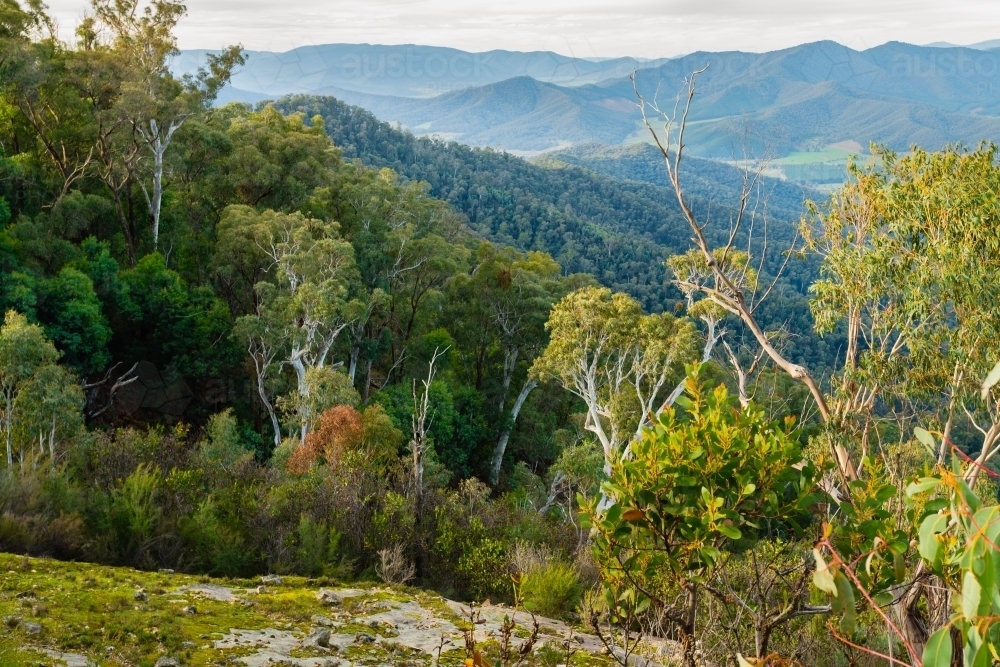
{"x":822,"y":577}
{"x":991,"y":380}
{"x":926,"y":439}
{"x":937,"y":651}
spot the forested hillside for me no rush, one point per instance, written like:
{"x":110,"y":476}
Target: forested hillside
{"x":707,"y":179}
{"x":570,"y":208}
{"x":293,"y":341}
{"x":617,"y":230}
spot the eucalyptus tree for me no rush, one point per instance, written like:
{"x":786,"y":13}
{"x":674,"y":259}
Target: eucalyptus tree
{"x":404,"y":250}
{"x":497,"y":312}
{"x":153,"y":104}
{"x":41,"y":401}
{"x":617,"y":360}
{"x":909,"y":247}
{"x":304,"y":303}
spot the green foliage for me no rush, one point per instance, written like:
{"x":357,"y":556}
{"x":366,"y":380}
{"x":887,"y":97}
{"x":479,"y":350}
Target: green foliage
{"x":135,"y":513}
{"x":697,"y":483}
{"x":224,"y":443}
{"x":49,"y":412}
{"x":906,"y":260}
{"x":216,"y":547}
{"x":172,"y":324}
{"x":713,"y":473}
{"x":553,"y":590}
{"x":619,"y":361}
{"x":316,"y":548}
{"x":483,"y":565}
{"x":38,"y":397}
{"x":959,"y":542}
{"x":73,"y":320}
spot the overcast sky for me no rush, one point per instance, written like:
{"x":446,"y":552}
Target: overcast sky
{"x":584,"y":28}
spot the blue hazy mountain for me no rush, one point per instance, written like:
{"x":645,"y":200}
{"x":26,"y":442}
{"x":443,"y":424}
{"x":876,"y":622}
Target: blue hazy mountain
{"x":405,"y":70}
{"x":797,"y":99}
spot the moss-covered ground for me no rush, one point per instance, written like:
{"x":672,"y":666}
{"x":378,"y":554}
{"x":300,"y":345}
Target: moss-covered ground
{"x":74,"y":614}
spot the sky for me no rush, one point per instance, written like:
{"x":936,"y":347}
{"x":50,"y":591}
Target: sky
{"x":582,"y":28}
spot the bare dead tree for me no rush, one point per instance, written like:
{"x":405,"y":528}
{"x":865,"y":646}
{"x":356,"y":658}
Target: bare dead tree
{"x":724,"y":288}
{"x":421,"y":423}
{"x":94,"y":388}
{"x":743,"y":375}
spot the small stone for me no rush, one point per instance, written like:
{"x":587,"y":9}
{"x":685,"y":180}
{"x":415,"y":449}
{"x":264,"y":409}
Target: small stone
{"x":32,"y":628}
{"x":271,"y":580}
{"x":167,"y":662}
{"x":364,"y":638}
{"x":166,"y":570}
{"x":141,"y":596}
{"x":322,"y":621}
{"x":328,"y":597}
{"x":189,"y":610}
{"x":188,"y":644}
{"x":319,"y":638}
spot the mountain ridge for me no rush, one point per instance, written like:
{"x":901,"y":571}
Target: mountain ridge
{"x":797,"y":99}
{"x":404,"y":70}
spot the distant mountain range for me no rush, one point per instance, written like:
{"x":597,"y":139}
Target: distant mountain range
{"x":406,"y":70}
{"x":793,"y":100}
{"x":984,"y":46}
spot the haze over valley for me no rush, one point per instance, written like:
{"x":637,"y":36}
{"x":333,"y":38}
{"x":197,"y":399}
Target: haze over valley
{"x":808,"y":107}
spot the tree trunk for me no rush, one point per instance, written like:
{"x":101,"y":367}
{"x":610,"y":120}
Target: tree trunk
{"x":270,"y":411}
{"x":303,"y":389}
{"x":352,"y":367}
{"x":917,"y":625}
{"x":158,"y":147}
{"x":368,"y":381}
{"x":501,"y":446}
{"x":689,"y":645}
{"x":7,"y":420}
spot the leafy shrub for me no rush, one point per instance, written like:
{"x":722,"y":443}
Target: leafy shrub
{"x":484,"y":568}
{"x":135,"y":512}
{"x":316,"y":548}
{"x":552,"y":590}
{"x":338,"y":429}
{"x":547,"y":584}
{"x":223,"y":443}
{"x":215,"y":547}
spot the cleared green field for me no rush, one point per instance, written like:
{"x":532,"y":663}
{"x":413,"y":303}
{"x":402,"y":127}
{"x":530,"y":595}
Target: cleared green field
{"x":828,"y":154}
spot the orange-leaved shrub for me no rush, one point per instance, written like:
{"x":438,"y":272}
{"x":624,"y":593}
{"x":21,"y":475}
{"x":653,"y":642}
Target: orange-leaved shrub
{"x":340,"y":429}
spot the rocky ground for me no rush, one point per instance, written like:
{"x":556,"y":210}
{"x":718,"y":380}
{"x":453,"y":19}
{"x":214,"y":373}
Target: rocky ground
{"x":83,"y":615}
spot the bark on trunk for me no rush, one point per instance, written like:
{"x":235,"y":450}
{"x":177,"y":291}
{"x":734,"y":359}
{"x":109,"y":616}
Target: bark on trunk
{"x":501,"y":446}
